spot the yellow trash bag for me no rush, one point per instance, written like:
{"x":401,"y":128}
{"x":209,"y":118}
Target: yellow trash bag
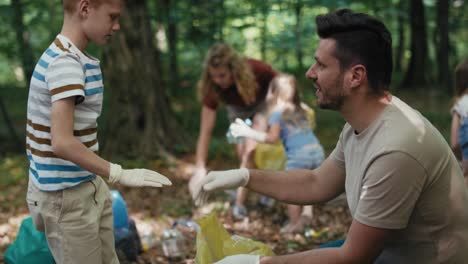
{"x":214,"y":242}
{"x":270,"y":157}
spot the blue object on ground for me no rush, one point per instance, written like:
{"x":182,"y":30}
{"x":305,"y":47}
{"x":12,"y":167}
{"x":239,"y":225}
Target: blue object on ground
{"x":337,"y":243}
{"x":30,"y":246}
{"x":119,"y":209}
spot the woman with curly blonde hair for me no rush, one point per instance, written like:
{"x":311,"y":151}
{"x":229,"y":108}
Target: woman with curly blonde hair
{"x":241,"y":84}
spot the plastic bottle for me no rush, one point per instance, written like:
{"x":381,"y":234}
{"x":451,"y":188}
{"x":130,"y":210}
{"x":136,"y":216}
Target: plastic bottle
{"x":147,"y":236}
{"x":173,"y":244}
{"x":186,"y":224}
{"x":235,"y":140}
{"x":267,"y":201}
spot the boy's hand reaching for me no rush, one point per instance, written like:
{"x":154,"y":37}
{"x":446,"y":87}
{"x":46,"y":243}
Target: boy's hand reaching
{"x":137,"y":177}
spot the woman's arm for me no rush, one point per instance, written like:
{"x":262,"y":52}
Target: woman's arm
{"x":208,"y":118}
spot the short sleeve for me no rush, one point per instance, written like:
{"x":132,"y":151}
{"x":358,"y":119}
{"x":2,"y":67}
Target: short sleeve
{"x":275,"y":118}
{"x":210,"y":100}
{"x":65,"y":78}
{"x":461,"y":107}
{"x":390,"y":189}
{"x":337,"y":155}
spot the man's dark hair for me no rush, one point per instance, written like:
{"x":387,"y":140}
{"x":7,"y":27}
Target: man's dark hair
{"x":360,"y":39}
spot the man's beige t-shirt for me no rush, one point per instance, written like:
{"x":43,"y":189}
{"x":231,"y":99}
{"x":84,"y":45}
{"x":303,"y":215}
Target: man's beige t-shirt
{"x":402,"y":175}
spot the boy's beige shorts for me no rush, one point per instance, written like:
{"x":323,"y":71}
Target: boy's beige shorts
{"x":77,"y":222}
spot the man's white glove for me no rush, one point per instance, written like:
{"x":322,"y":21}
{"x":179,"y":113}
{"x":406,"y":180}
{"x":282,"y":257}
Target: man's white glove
{"x":240,"y":129}
{"x":241,"y":258}
{"x":136,"y":177}
{"x":219,"y":180}
{"x":197,"y":176}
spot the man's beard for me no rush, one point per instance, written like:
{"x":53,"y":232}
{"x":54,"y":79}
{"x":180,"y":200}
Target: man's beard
{"x":336,"y":101}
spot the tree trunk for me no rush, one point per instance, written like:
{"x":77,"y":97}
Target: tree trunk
{"x":298,"y":33}
{"x":265,"y":10}
{"x":401,"y":36}
{"x":11,"y":129}
{"x":171,"y":28}
{"x":416,"y":73}
{"x":443,"y":44}
{"x":140,"y":121}
{"x":22,"y":37}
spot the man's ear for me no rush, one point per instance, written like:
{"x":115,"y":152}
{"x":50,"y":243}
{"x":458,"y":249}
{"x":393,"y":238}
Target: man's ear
{"x":358,"y":74}
{"x":83,"y":7}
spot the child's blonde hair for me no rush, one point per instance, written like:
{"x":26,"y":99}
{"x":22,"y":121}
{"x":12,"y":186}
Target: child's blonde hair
{"x":284,"y":87}
{"x":223,"y":55}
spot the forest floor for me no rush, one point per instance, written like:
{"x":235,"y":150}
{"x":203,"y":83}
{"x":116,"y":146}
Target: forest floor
{"x":157,"y":210}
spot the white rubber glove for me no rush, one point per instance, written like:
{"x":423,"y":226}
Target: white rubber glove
{"x":219,"y":180}
{"x":137,"y":177}
{"x":240,"y":129}
{"x":197,"y":176}
{"x":241,"y":258}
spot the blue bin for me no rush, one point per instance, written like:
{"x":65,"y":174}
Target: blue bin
{"x":119,"y":210}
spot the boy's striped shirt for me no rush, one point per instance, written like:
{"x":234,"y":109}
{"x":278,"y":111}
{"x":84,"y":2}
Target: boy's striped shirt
{"x":63,"y":71}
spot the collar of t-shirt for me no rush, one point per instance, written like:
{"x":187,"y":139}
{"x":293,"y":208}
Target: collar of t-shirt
{"x":67,"y":43}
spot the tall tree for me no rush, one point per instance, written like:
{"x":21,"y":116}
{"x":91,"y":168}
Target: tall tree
{"x":298,"y":10}
{"x":22,"y":37}
{"x":264,"y":11}
{"x":9,"y":124}
{"x":443,"y":44}
{"x":416,"y":73}
{"x":401,"y":14}
{"x":140,"y":120}
{"x":169,"y":7}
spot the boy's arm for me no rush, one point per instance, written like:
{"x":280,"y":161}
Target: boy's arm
{"x":66,"y":146}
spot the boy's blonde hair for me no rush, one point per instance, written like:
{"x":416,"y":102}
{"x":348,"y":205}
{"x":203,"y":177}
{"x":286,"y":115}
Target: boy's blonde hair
{"x":70,"y":5}
{"x":223,"y":55}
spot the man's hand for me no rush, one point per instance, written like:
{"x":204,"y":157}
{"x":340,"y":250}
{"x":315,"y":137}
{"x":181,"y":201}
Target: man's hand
{"x":241,"y":258}
{"x":240,"y":129}
{"x":197,"y":176}
{"x":137,"y":177}
{"x":219,"y":180}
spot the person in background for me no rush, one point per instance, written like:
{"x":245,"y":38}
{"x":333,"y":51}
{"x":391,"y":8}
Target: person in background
{"x":241,"y":84}
{"x":404,"y":187}
{"x":288,"y":122}
{"x":459,"y":129}
{"x":67,"y":198}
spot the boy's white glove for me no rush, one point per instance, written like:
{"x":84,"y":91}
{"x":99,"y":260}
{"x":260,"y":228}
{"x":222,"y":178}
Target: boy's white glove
{"x":240,"y":129}
{"x":219,"y":180}
{"x":136,"y":177}
{"x":241,"y":258}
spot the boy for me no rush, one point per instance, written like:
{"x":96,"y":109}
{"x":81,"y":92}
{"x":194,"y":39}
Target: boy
{"x":66,"y":197}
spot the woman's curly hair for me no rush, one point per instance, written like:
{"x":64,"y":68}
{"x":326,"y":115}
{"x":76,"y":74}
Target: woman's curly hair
{"x":223,"y":55}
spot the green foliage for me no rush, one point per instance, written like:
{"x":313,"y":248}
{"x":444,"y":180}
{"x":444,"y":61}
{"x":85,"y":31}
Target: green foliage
{"x":14,"y":169}
{"x":238,"y":22}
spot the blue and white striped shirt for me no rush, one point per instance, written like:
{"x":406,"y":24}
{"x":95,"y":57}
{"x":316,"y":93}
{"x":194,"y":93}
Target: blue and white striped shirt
{"x":63,"y":71}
